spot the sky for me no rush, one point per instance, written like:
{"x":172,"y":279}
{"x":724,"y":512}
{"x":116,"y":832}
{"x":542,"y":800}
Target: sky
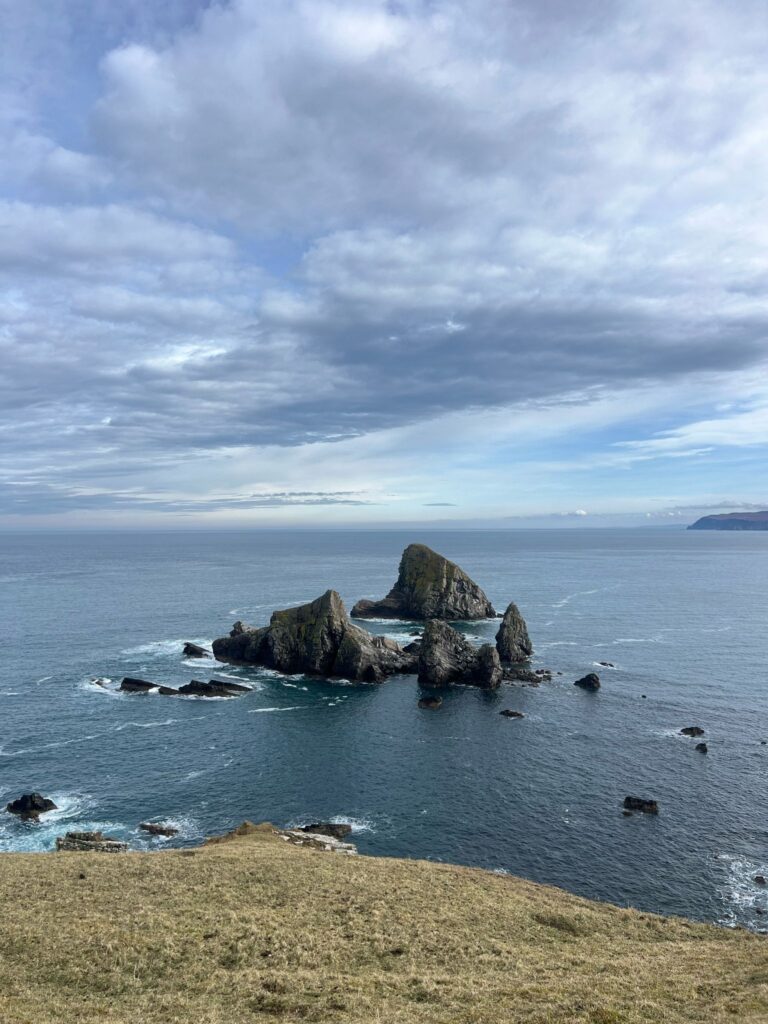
{"x":328,"y":263}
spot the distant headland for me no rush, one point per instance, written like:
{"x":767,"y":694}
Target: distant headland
{"x":732,"y":521}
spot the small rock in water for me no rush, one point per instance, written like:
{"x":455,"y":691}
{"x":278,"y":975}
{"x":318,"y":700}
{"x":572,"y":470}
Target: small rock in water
{"x":692,"y":730}
{"x":130,"y":685}
{"x":627,"y":814}
{"x":433,"y":703}
{"x":194,"y":651}
{"x":30,"y":806}
{"x":638,"y":803}
{"x":155,"y":829}
{"x":591,"y":681}
{"x":643,"y":696}
{"x":336,"y":829}
{"x":702,"y":748}
{"x":760,"y":879}
{"x":508,"y":713}
{"x":606,"y":664}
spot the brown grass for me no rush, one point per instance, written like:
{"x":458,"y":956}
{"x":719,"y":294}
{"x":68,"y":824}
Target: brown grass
{"x":255,"y":930}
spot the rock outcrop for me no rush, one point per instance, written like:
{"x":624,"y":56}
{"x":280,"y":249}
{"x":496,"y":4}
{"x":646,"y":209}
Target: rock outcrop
{"x":638,"y":803}
{"x":448,"y":657}
{"x":194,"y":651}
{"x":335,"y":829}
{"x":93,"y":842}
{"x":702,"y":748}
{"x":692,"y":730}
{"x":428,"y":586}
{"x":508,"y":713}
{"x":591,"y":681}
{"x":156,"y":829}
{"x":30,"y":806}
{"x":130,"y":685}
{"x":316,"y":639}
{"x":512,"y":640}
{"x":213,"y":688}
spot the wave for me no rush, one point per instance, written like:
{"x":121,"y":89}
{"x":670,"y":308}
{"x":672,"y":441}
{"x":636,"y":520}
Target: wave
{"x":745,"y":901}
{"x":295,"y":707}
{"x":579,"y":593}
{"x":162,"y":648}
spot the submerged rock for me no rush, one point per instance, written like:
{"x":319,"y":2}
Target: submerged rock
{"x":428,"y":586}
{"x":508,"y":713}
{"x":692,"y":730}
{"x":638,"y":803}
{"x":336,"y":829}
{"x":155,"y":829}
{"x":316,"y":639}
{"x":30,"y":806}
{"x":448,"y":657}
{"x":591,"y":681}
{"x":430,"y":703}
{"x":512,"y":640}
{"x":194,"y":651}
{"x":702,"y":748}
{"x":94,"y":842}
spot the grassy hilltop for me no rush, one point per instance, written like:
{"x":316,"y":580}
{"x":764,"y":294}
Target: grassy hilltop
{"x":255,"y":930}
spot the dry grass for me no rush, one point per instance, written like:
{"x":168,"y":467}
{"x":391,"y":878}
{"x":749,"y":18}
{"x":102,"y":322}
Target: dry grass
{"x":255,"y":930}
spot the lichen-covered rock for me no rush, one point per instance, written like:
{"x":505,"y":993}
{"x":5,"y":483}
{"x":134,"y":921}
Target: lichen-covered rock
{"x":428,"y":586}
{"x":512,"y":640}
{"x":93,"y":842}
{"x":316,"y":639}
{"x":448,"y":657}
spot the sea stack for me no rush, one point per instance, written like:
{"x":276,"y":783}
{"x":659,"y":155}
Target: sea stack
{"x":428,"y":586}
{"x":512,"y":640}
{"x":448,"y":657}
{"x":317,"y":639}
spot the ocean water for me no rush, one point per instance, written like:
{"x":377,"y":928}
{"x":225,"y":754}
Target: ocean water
{"x":683,"y":616}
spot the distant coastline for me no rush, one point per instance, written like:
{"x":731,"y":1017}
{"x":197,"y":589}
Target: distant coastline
{"x":732,"y":521}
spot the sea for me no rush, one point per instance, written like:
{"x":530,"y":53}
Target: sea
{"x":681,"y":616}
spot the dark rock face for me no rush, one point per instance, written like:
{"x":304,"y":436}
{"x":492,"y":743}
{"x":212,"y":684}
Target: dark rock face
{"x":336,"y":830}
{"x":692,"y":730}
{"x":760,"y":880}
{"x":158,"y":830}
{"x":30,"y":806}
{"x":637,"y":803}
{"x":430,"y":703}
{"x":194,"y":651}
{"x":702,"y":748}
{"x":316,"y":639}
{"x":94,"y":842}
{"x":526,"y":676}
{"x":512,"y":640}
{"x":589,"y":682}
{"x":428,"y":586}
{"x":213,"y":688}
{"x":508,"y":713}
{"x":129,"y":685}
{"x":447,"y":657}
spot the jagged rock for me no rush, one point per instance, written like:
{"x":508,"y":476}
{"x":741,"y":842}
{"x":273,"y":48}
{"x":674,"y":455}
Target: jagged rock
{"x":637,"y":803}
{"x":512,"y":640}
{"x":326,"y":828}
{"x":591,"y":681}
{"x":30,"y":806}
{"x":94,"y":842}
{"x":702,"y":748}
{"x":428,"y":586}
{"x":194,"y":651}
{"x":213,"y":688}
{"x":158,"y":830}
{"x":508,"y":713}
{"x":129,"y":685}
{"x":692,"y":730}
{"x":448,"y":657}
{"x":316,"y":639}
{"x":414,"y":647}
{"x":431,"y":703}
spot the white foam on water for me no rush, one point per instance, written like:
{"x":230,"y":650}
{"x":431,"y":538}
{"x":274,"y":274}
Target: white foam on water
{"x":147,"y":725}
{"x":258,"y":711}
{"x":10,"y":693}
{"x":579,"y":593}
{"x":741,"y":894}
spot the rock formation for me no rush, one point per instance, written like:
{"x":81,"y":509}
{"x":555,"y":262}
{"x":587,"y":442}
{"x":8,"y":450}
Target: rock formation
{"x":213,"y":688}
{"x":430,"y":703}
{"x":692,"y":730}
{"x":130,"y":685}
{"x":448,"y":657}
{"x":508,"y":713}
{"x":702,"y":748}
{"x":156,"y":829}
{"x":336,"y":829}
{"x":428,"y":587}
{"x":591,"y":681}
{"x":93,"y":842}
{"x":638,"y":803}
{"x":512,"y":640}
{"x":315,"y":639}
{"x":30,"y":806}
{"x":194,"y":651}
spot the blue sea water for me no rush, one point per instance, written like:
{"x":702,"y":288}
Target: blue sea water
{"x":681,"y":614}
